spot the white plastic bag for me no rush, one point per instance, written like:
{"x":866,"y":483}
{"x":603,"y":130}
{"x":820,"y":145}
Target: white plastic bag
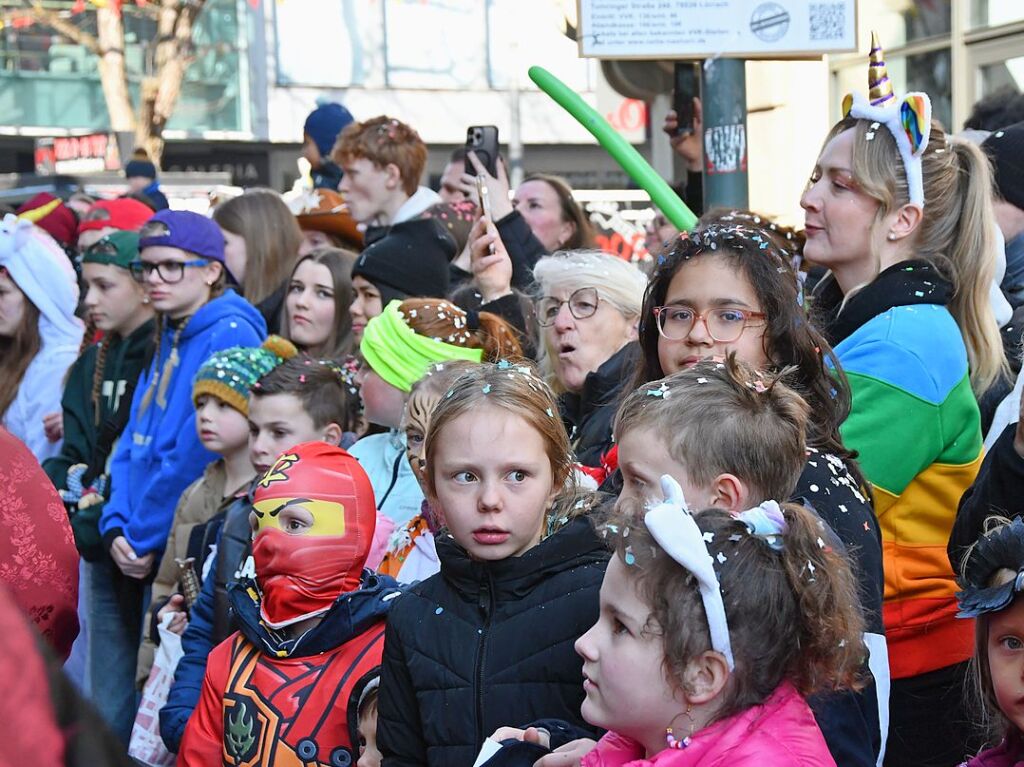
{"x":146,"y":745}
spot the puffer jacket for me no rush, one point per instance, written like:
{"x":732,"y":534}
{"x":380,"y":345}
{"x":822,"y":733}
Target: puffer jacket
{"x":588,"y":415}
{"x":780,"y":731}
{"x":486,"y":644}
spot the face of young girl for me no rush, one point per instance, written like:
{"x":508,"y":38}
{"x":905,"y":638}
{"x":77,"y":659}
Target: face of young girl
{"x":113,"y":299}
{"x":706,"y":284}
{"x":222,"y":429}
{"x":184,"y":297}
{"x":415,"y":422}
{"x":366,"y":305}
{"x":623,"y":674}
{"x":383,"y":403}
{"x":12,"y":305}
{"x":1006,"y":660}
{"x":493,"y":482}
{"x":310,"y":304}
{"x":838,"y":216}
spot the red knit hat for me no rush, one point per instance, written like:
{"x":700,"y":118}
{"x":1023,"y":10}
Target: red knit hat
{"x":53,"y":216}
{"x":125,"y":214}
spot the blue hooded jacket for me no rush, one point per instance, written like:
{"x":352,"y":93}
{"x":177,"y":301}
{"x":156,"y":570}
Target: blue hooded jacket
{"x":160,"y":453}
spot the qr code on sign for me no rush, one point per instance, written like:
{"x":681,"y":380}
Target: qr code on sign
{"x":828,"y":21}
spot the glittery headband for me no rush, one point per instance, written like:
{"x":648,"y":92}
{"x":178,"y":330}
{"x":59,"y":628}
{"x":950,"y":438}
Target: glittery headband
{"x":909,"y":120}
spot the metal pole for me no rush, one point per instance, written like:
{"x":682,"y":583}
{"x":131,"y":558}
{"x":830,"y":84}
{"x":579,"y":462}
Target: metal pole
{"x":724,"y":93}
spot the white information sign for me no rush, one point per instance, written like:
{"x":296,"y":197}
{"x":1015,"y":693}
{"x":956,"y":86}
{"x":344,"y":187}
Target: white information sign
{"x":682,"y":29}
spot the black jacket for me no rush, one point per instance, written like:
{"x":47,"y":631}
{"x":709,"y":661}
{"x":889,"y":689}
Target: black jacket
{"x":486,"y":644}
{"x":850,"y":721}
{"x":588,"y":415}
{"x":998,"y":490}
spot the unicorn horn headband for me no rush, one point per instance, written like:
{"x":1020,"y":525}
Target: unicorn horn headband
{"x":909,"y":119}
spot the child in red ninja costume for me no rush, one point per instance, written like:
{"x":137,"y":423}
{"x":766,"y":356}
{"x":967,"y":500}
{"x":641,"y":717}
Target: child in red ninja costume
{"x":279,"y":692}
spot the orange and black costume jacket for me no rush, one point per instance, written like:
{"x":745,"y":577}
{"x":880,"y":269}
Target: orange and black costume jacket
{"x":269,"y":701}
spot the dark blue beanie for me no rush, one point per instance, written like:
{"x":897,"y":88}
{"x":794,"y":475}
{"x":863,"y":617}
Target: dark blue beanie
{"x":143,"y":168}
{"x":325,"y":123}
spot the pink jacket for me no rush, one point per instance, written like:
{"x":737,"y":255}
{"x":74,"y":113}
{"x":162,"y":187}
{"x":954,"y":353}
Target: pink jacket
{"x":780,"y":732}
{"x":1009,"y":753}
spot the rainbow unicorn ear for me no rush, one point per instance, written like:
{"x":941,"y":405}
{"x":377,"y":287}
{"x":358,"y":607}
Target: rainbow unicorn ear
{"x":916,"y":119}
{"x":908,"y":120}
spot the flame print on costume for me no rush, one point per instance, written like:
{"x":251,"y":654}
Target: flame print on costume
{"x":273,"y":709}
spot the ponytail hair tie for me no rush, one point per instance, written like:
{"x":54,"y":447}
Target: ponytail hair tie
{"x":472,"y":319}
{"x":766,"y":521}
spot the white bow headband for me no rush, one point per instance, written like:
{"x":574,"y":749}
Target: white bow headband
{"x":674,"y":528}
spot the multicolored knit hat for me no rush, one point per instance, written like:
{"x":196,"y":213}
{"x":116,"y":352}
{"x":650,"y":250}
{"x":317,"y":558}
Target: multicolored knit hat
{"x":230,"y":374}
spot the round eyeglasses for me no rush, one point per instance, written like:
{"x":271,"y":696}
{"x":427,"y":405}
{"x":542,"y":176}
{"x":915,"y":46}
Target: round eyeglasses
{"x":582,"y":304}
{"x":168,"y":271}
{"x":723,"y":325}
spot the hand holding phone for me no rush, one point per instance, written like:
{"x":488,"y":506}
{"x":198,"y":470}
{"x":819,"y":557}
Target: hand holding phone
{"x":687,"y":88}
{"x":484,"y":195}
{"x":482,"y":140}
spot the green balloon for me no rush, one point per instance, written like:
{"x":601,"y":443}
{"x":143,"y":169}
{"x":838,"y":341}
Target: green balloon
{"x":622,"y":151}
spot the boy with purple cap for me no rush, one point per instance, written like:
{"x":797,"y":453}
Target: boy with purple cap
{"x":181,"y":265}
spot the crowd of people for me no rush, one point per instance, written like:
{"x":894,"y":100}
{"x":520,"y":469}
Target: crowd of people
{"x":365,"y":476}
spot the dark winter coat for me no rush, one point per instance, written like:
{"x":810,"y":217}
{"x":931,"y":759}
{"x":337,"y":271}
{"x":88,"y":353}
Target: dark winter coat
{"x":210,"y":621}
{"x":588,"y":415}
{"x":997,"y":491}
{"x":486,"y":644}
{"x":851,"y":721}
{"x":89,"y":437}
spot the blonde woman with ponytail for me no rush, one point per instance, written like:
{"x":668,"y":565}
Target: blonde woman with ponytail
{"x":902,"y":217}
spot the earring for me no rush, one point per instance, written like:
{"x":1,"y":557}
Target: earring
{"x":891,"y":237}
{"x":145,"y":299}
{"x":670,"y":738}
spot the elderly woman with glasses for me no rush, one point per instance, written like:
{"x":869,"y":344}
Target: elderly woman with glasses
{"x":588,"y":312}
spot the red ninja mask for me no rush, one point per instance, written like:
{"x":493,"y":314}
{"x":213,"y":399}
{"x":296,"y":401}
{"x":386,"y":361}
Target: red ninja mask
{"x":315,"y":517}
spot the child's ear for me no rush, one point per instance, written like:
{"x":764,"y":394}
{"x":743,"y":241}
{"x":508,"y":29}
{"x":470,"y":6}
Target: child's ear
{"x":331,"y":434}
{"x":729,"y":492}
{"x":705,"y":677}
{"x":213,"y":272}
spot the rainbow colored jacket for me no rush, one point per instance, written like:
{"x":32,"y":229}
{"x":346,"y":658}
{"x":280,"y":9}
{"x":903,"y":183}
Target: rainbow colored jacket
{"x":916,"y":426}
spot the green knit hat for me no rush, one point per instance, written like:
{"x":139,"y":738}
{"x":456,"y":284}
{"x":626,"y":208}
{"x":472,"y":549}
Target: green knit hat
{"x":117,"y":248}
{"x":229,"y":374}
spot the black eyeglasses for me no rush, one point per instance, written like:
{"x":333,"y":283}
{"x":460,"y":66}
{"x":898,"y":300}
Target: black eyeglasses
{"x":723,"y":325}
{"x":582,"y":304}
{"x":168,"y":271}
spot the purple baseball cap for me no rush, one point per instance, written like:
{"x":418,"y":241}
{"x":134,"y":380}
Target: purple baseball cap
{"x":186,"y":230}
